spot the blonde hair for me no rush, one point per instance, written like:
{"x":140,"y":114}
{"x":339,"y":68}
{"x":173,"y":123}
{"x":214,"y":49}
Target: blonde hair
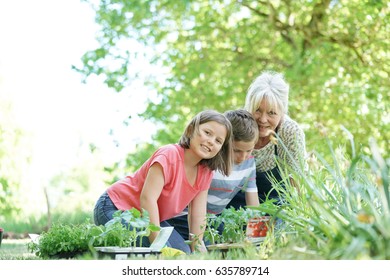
{"x":223,"y":161}
{"x":271,"y":86}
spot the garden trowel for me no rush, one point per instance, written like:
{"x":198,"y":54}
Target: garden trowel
{"x":161,"y":239}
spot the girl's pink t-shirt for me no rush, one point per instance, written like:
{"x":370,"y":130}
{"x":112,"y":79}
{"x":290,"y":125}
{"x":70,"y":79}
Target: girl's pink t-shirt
{"x":176,"y":194}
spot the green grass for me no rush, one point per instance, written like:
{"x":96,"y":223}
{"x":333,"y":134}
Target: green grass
{"x":33,"y":224}
{"x":16,"y":249}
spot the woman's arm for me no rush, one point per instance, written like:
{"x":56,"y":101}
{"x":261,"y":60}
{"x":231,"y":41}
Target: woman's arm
{"x":294,"y":139}
{"x":151,"y":191}
{"x":197,"y":221}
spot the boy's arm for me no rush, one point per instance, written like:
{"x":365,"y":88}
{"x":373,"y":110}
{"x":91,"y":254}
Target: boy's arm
{"x":251,"y":194}
{"x":252,"y":199}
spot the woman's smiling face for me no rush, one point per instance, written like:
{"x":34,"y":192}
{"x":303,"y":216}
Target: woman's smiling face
{"x":267,"y":118}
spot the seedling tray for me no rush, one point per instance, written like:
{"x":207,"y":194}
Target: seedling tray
{"x":120,"y":253}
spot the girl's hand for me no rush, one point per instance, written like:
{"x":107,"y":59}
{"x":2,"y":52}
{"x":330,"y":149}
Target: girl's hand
{"x":201,"y":247}
{"x":197,"y":245}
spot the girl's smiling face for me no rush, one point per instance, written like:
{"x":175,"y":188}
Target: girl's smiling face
{"x":267,"y":118}
{"x":209,"y":140}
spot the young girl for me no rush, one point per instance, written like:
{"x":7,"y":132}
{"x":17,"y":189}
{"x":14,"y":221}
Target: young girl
{"x":176,"y":176}
{"x":241,"y":181}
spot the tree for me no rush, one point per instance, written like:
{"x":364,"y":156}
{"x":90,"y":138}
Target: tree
{"x":334,"y":54}
{"x":15,"y":153}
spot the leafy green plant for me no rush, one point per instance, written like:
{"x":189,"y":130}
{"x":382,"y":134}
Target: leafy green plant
{"x":63,"y":240}
{"x":67,"y":240}
{"x":115,"y":233}
{"x":232,"y":224}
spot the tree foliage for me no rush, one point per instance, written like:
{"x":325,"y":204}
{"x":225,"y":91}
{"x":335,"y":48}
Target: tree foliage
{"x":15,"y":153}
{"x":335,"y":55}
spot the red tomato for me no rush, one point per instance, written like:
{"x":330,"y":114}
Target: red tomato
{"x":251,"y":225}
{"x":263,"y":233}
{"x":259,"y":225}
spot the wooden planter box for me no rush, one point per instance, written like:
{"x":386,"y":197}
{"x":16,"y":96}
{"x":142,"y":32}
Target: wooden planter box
{"x":241,"y":245}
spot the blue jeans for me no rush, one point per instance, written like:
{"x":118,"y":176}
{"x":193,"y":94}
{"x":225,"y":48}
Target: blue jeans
{"x":105,"y":208}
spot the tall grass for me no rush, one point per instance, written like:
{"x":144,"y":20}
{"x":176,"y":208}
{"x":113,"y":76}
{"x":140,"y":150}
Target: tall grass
{"x":36,"y":224}
{"x":341,"y":210}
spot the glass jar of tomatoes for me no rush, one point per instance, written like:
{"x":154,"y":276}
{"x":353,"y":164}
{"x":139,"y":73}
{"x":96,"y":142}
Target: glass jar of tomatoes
{"x":258,"y":227}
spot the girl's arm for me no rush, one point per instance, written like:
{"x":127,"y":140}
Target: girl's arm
{"x":151,"y":191}
{"x":197,"y":221}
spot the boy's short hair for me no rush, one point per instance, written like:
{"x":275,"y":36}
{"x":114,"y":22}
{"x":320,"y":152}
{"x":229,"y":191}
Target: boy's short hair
{"x":244,"y":125}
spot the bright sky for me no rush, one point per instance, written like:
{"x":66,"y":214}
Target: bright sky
{"x":39,"y":41}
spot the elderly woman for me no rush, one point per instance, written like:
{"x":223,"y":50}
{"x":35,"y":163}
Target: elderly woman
{"x":267,"y":100}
